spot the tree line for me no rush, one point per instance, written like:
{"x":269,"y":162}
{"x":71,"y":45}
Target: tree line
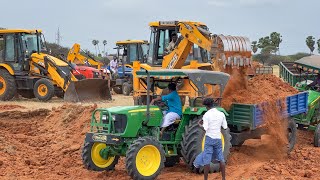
{"x":269,"y":47}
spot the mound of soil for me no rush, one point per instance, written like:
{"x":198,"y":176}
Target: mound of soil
{"x":261,"y":88}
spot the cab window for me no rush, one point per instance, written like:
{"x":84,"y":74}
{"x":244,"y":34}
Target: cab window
{"x":9,"y":48}
{"x":1,"y":48}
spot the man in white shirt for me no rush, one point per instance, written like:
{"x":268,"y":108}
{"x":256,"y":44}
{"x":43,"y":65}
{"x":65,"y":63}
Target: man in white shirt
{"x":212,"y":121}
{"x":114,"y":65}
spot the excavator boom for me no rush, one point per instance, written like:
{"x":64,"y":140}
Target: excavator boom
{"x":234,"y":51}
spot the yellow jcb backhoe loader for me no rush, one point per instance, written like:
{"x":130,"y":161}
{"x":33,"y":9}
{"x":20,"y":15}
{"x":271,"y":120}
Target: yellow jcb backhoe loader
{"x":26,"y":69}
{"x":213,"y":52}
{"x":75,"y":56}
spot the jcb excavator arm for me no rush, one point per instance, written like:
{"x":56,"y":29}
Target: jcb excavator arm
{"x":74,"y":56}
{"x":224,"y":50}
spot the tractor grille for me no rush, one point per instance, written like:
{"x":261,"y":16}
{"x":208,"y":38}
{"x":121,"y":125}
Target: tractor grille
{"x":120,"y":123}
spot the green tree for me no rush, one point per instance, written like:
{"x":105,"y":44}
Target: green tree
{"x":276,"y":39}
{"x":95,"y":42}
{"x":310,"y":43}
{"x":254,"y":46}
{"x":104,"y":46}
{"x":318,"y":43}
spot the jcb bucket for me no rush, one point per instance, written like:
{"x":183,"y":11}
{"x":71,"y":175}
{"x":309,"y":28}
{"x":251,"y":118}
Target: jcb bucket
{"x":88,"y":90}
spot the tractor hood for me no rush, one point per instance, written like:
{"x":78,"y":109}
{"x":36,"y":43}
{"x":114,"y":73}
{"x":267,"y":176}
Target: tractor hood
{"x":131,"y":109}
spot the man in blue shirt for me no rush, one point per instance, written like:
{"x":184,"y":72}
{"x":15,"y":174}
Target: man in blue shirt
{"x":174,"y":103}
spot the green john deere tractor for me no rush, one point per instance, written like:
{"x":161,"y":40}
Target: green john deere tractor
{"x":133,"y":131}
{"x":311,"y":119}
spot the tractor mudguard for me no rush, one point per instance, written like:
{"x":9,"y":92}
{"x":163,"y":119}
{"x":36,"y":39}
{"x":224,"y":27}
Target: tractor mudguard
{"x":87,"y":90}
{"x":201,"y":110}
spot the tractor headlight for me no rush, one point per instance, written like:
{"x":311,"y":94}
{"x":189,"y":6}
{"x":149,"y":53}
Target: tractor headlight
{"x":104,"y":117}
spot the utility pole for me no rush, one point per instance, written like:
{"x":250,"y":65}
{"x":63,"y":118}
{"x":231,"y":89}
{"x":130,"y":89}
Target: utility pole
{"x":58,"y":37}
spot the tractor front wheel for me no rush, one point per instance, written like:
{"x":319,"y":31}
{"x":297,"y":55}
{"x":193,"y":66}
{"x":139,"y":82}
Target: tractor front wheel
{"x":8,"y":86}
{"x":92,"y":159}
{"x":193,"y":144}
{"x":145,"y":158}
{"x":43,"y":89}
{"x":316,"y":140}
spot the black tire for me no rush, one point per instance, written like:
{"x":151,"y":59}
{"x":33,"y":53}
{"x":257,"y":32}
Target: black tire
{"x":171,"y":161}
{"x":8,"y":87}
{"x":117,"y":89}
{"x":27,"y":94}
{"x":43,"y":89}
{"x":191,"y":145}
{"x":132,"y":156}
{"x":292,"y":134}
{"x":316,"y":140}
{"x":126,"y":89}
{"x":89,"y":163}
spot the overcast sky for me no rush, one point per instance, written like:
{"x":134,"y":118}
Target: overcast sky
{"x":82,"y":21}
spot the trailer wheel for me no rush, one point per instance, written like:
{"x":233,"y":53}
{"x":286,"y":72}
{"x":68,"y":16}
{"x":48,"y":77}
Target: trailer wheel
{"x":8,"y":87}
{"x":43,"y":89}
{"x":193,"y":144}
{"x":145,"y":158}
{"x":316,"y":141}
{"x":126,"y":89}
{"x":93,"y":161}
{"x":292,"y":134}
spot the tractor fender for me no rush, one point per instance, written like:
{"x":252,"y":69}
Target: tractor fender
{"x":7,"y":67}
{"x":201,"y":110}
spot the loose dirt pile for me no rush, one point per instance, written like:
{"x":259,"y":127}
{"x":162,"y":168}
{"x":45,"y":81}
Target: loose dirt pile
{"x":261,"y":88}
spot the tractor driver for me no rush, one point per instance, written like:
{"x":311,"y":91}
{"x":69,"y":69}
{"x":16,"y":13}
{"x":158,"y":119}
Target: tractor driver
{"x":315,"y":83}
{"x":175,"y":108}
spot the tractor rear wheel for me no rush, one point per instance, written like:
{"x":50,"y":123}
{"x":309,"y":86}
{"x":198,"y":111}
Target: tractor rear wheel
{"x":8,"y":86}
{"x":193,"y":144}
{"x":145,"y":158}
{"x":292,"y":134}
{"x":316,"y":140}
{"x":43,"y":89}
{"x":92,"y":159}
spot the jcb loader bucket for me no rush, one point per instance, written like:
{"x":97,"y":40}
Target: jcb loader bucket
{"x":87,"y":90}
{"x":234,"y":51}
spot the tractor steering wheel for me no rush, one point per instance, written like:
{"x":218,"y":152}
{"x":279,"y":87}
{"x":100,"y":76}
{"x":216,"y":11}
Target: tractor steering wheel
{"x":162,"y":105}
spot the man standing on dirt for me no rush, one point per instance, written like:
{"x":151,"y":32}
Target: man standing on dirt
{"x":211,"y":122}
